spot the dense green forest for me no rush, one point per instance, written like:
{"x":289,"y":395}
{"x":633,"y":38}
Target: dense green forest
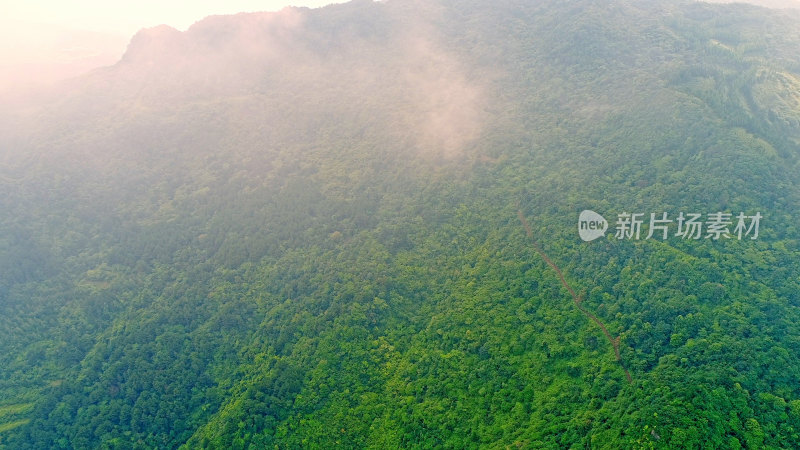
{"x":303,"y":229}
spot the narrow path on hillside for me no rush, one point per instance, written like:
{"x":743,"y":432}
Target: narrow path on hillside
{"x":575,"y":297}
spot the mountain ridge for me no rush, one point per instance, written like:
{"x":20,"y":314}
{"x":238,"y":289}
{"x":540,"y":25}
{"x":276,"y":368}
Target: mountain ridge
{"x":302,"y":229}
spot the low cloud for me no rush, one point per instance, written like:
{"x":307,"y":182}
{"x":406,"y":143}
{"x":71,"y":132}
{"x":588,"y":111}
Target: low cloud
{"x":447,"y":111}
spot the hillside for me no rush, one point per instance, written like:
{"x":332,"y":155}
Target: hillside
{"x":307,"y":229}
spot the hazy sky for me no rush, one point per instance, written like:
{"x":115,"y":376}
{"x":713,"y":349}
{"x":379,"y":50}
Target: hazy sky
{"x":46,"y":40}
{"x":128,"y":16}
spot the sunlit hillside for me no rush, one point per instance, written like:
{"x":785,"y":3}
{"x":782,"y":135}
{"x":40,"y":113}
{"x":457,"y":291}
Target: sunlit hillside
{"x":358,"y":227}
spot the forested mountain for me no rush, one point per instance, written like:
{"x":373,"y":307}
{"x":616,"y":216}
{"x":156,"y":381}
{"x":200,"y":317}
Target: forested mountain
{"x":780,"y":4}
{"x":307,"y":229}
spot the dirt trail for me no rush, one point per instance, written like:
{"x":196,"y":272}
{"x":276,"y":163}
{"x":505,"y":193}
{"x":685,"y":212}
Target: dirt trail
{"x":575,"y":297}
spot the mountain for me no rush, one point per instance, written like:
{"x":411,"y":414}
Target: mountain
{"x":780,"y":4}
{"x":357,"y":226}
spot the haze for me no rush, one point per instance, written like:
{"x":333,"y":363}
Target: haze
{"x":43,"y":41}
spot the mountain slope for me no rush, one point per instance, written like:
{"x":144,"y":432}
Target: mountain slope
{"x":300,"y":229}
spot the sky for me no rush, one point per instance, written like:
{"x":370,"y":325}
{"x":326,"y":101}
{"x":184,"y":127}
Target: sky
{"x":42,"y":41}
